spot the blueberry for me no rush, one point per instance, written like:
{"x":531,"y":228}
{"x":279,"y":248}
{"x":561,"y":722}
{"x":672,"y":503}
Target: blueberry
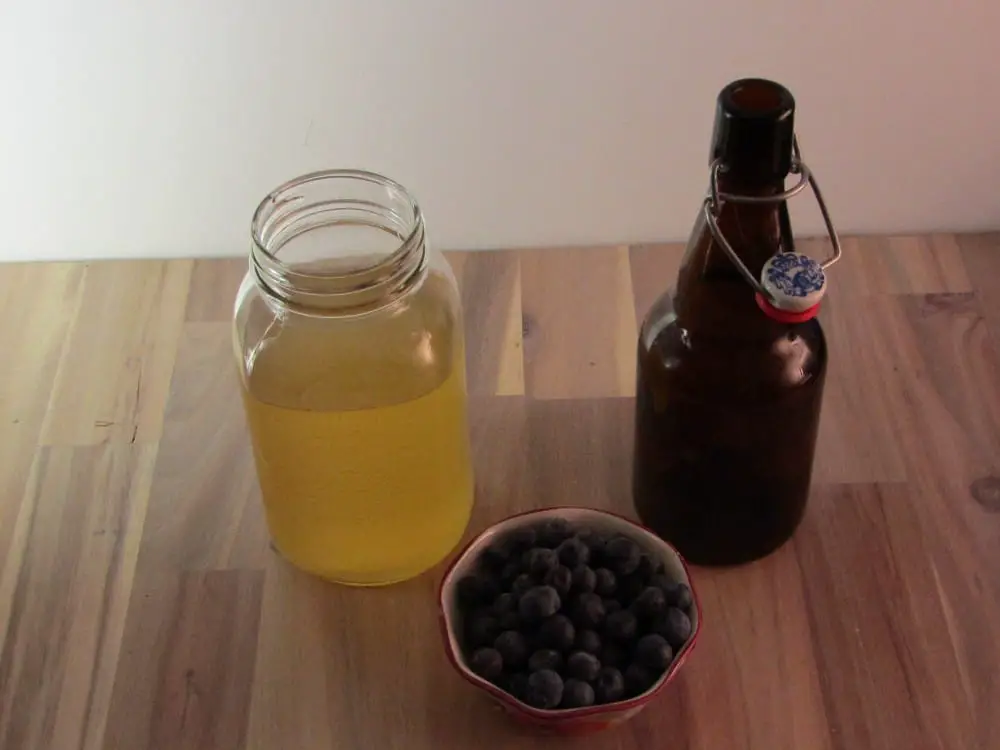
{"x":605,"y":582}
{"x":650,"y":602}
{"x":495,"y":556}
{"x":582,"y":666}
{"x":677,"y":594}
{"x":545,"y":689}
{"x":553,"y":531}
{"x":509,"y":573}
{"x":609,"y":685}
{"x":509,"y":621}
{"x":521,"y":585}
{"x":587,"y":640}
{"x":646,"y":567}
{"x":612,"y":605}
{"x":654,"y":653}
{"x":538,"y":561}
{"x":521,"y":539}
{"x":504,"y":603}
{"x":561,"y":579}
{"x":516,"y":684}
{"x":545,"y":658}
{"x":557,"y":632}
{"x":680,"y":596}
{"x":577,"y":694}
{"x":584,"y":579}
{"x":475,"y":589}
{"x":587,"y":535}
{"x":629,"y":588}
{"x":595,"y":542}
{"x":621,"y":626}
{"x":613,"y":655}
{"x":573,"y":552}
{"x":622,"y":555}
{"x":637,"y":680}
{"x":538,"y":603}
{"x":675,"y":626}
{"x":588,"y":611}
{"x":513,"y":649}
{"x":487,"y":663}
{"x":481,"y":629}
{"x":661,"y":581}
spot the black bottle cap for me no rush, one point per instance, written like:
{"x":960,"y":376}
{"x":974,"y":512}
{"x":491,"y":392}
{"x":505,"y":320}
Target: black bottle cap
{"x":754,"y":128}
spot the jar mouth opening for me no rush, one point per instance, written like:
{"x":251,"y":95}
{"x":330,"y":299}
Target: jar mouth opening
{"x":339,"y":238}
{"x":335,"y":224}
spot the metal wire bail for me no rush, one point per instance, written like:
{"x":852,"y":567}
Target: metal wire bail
{"x":715,"y":199}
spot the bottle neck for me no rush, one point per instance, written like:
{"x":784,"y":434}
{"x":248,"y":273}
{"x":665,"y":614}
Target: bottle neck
{"x":752,"y":229}
{"x":338,"y":242}
{"x":711,"y":292}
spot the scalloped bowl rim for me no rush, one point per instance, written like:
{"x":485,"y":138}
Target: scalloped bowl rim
{"x":663,"y":551}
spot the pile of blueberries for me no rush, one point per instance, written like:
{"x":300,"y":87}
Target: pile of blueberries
{"x":563,"y":617}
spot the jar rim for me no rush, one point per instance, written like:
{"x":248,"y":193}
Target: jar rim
{"x":279,"y":197}
{"x":360,"y":276}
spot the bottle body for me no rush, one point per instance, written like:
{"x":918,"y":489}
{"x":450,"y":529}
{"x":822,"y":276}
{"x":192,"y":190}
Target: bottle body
{"x":728,"y":394}
{"x":727,"y":415}
{"x":356,"y":404}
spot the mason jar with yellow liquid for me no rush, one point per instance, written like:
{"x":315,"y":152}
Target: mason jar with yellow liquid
{"x":348,"y":332}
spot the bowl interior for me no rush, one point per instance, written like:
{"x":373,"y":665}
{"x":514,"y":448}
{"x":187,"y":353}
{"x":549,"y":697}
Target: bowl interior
{"x":601,"y":521}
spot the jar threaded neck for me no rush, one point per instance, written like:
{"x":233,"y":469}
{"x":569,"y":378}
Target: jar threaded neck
{"x":337,"y":239}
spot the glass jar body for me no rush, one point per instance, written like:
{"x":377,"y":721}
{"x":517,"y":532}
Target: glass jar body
{"x":356,"y":406}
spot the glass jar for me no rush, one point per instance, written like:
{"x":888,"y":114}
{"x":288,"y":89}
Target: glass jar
{"x":348,"y":333}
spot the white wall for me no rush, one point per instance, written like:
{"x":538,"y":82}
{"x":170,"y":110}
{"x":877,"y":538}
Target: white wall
{"x":152,"y":128}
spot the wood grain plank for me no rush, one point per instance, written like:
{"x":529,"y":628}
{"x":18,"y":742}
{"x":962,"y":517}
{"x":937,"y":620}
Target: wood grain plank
{"x":502,"y":484}
{"x":580,"y":453}
{"x":950,"y":369}
{"x":490,"y":284}
{"x":204,"y":511}
{"x":63,"y":596}
{"x":42,"y":299}
{"x":347,"y":668}
{"x":857,"y":436}
{"x":213,"y":288}
{"x":964,"y":585}
{"x":114,"y":376}
{"x":889,"y":677}
{"x":755,"y":662}
{"x":535,"y":454}
{"x":944,"y":411}
{"x":869,"y":354}
{"x":289,"y":703}
{"x":981,"y":255}
{"x":948,"y":422}
{"x":579,"y":323}
{"x":186,"y":671}
{"x":911,"y":264}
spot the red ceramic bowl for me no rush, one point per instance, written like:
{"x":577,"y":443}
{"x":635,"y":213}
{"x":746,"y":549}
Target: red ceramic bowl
{"x":573,"y":720}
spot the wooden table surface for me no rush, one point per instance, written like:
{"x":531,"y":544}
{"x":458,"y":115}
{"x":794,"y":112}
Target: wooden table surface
{"x":141,"y":607}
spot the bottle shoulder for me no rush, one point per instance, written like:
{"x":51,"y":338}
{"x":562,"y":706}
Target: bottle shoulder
{"x":730,"y":350}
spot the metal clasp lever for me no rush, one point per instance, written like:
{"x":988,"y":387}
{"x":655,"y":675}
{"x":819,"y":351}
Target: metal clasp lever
{"x":715,"y":199}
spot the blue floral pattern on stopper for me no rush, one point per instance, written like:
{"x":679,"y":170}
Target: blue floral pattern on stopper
{"x":796,"y":282}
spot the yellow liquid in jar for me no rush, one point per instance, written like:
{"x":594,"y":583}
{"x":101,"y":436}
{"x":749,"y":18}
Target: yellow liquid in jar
{"x":363,"y":496}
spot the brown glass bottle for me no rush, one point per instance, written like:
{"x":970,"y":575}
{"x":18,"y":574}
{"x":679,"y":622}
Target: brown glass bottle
{"x":728,"y":398}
